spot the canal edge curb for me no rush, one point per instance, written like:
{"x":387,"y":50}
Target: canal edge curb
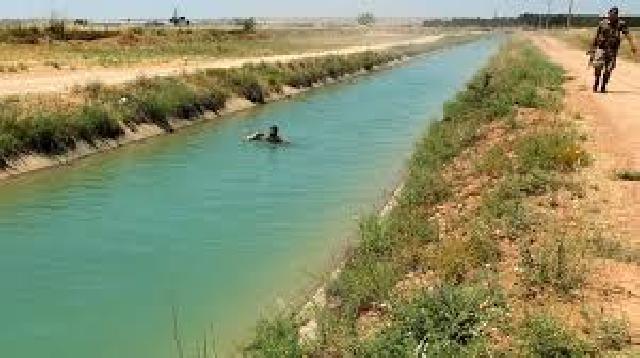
{"x":308,"y":330}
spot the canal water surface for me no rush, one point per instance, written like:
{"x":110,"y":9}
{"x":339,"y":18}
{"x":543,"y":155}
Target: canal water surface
{"x":94,"y":256}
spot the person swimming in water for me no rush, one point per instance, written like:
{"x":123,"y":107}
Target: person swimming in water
{"x":273,"y":136}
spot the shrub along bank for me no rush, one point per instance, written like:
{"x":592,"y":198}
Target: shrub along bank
{"x":475,"y":257}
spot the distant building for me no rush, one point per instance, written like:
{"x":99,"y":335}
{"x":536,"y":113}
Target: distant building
{"x":178,"y":20}
{"x":155,"y":23}
{"x":81,"y":22}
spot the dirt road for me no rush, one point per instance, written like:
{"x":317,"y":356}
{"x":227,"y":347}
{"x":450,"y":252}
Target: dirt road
{"x":63,"y":80}
{"x":613,"y":122}
{"x":619,"y":109}
{"x":614,"y":117}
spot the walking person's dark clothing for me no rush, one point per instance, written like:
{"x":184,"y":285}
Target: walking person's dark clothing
{"x":605,"y":47}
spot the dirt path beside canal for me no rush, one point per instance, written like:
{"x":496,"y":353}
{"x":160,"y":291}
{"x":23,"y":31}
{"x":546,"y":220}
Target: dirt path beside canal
{"x":613,"y":122}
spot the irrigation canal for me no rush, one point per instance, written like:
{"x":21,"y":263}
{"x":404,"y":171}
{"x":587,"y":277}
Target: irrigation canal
{"x":94,"y":256}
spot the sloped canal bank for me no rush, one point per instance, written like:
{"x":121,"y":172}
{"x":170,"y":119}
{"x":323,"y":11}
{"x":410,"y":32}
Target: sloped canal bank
{"x":95,"y":256}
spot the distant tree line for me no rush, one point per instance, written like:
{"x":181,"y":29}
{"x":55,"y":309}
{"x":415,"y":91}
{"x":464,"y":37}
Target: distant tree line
{"x":560,"y":20}
{"x":248,"y":25}
{"x":527,"y":20}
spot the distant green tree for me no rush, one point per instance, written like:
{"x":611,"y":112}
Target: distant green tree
{"x":248,"y":25}
{"x":57,"y":29}
{"x":366,"y":19}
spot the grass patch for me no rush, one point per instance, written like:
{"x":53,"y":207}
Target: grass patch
{"x":408,"y":224}
{"x":427,"y":188}
{"x":275,"y":338}
{"x":556,"y":263}
{"x":505,"y":210}
{"x":605,"y":247}
{"x":536,"y":169}
{"x":450,"y":321}
{"x":542,"y":336}
{"x":495,"y":162}
{"x":549,"y":151}
{"x":612,"y":334}
{"x":369,"y":273}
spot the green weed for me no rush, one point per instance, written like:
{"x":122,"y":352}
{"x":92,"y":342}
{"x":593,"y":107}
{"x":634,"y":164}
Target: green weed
{"x":425,"y":188}
{"x":485,"y":250}
{"x":505,"y":209}
{"x":557,"y":263}
{"x":96,"y":122}
{"x":609,"y":248}
{"x":551,"y":150}
{"x":612,"y":334}
{"x":449,"y":321}
{"x":48,"y":133}
{"x":542,"y":336}
{"x":368,"y":274}
{"x":495,"y":162}
{"x":274,"y":339}
{"x":407,"y":224}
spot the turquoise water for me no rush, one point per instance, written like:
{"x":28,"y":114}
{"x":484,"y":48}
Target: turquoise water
{"x":94,"y":256}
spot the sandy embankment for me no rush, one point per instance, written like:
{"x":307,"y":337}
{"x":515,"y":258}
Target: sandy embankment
{"x":64,"y":80}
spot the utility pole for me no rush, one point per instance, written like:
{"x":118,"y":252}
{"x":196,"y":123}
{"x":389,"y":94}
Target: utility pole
{"x":570,"y":14}
{"x":548,"y":12}
{"x":539,"y":21}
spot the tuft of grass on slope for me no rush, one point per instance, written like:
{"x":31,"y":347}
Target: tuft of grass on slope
{"x":276,"y":338}
{"x":551,"y":151}
{"x":557,"y":264}
{"x":542,"y":336}
{"x":612,"y":334}
{"x":450,"y":321}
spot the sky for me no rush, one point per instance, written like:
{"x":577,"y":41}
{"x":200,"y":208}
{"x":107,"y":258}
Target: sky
{"x":112,"y":9}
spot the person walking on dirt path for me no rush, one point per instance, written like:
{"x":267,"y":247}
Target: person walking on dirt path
{"x":606,"y":44}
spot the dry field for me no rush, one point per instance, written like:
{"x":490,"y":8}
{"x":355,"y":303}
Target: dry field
{"x":34,"y":49}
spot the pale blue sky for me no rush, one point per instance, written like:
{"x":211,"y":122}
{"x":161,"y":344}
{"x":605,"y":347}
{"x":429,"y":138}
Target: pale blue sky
{"x":102,"y":9}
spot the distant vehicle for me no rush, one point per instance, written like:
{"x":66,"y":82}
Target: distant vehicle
{"x":178,"y":20}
